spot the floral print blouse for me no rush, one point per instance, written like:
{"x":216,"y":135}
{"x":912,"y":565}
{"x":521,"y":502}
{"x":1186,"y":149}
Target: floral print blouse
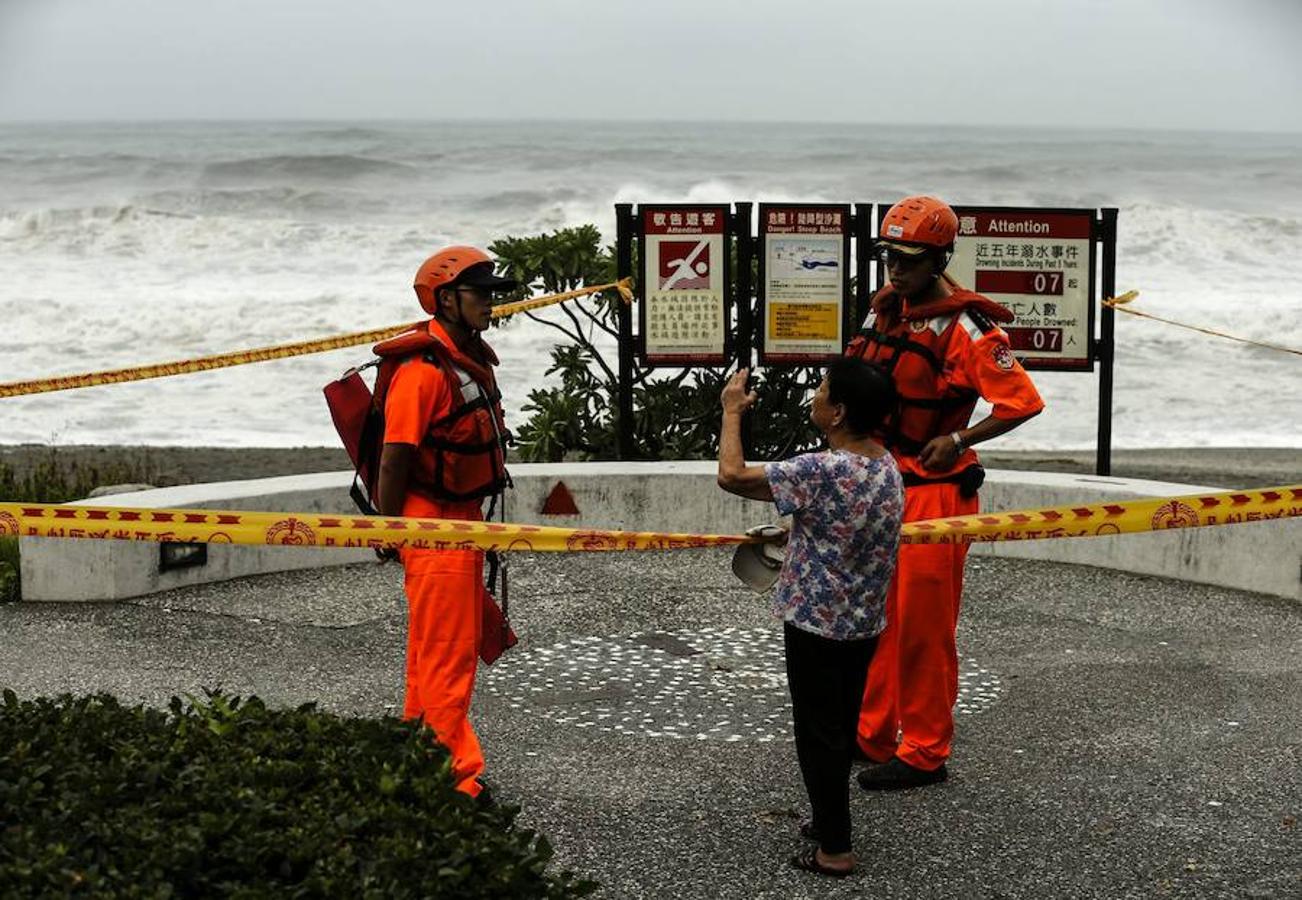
{"x":846,"y":511}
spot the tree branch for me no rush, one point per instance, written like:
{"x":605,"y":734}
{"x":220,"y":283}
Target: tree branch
{"x":596,"y":320}
{"x":577,"y":338}
{"x":596,"y":356}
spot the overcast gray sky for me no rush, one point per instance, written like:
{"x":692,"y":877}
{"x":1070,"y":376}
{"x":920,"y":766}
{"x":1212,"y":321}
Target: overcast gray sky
{"x":1214,"y":64}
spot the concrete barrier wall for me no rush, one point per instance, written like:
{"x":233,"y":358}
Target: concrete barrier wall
{"x":1265,"y":557}
{"x":664,"y":496}
{"x":116,"y":570}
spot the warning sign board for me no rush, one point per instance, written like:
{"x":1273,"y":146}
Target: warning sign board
{"x":804,"y":282}
{"x":1040,"y":264}
{"x":683,"y":316}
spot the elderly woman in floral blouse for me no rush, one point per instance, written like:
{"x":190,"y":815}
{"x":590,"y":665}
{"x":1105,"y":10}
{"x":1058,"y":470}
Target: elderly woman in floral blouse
{"x":845,"y":503}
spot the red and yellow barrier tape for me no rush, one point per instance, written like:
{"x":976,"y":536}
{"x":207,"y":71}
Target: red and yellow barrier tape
{"x":299,"y":530}
{"x":1118,"y":517}
{"x":279,"y":351}
{"x":209,"y":526}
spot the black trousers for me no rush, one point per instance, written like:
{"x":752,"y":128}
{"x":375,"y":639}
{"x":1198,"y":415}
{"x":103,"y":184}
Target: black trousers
{"x":826,"y":679}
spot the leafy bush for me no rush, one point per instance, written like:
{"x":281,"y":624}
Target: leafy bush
{"x":10,"y":583}
{"x":225,"y":797}
{"x":675,"y":412}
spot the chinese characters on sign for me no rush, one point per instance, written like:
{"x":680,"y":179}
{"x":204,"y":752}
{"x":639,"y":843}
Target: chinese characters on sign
{"x":1040,"y":265}
{"x":684,"y":313}
{"x":804,"y":279}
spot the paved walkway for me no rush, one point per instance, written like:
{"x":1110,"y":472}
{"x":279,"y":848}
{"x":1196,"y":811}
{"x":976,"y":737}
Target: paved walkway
{"x":1118,"y":736}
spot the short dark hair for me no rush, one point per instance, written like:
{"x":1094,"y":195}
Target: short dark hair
{"x":864,"y":389}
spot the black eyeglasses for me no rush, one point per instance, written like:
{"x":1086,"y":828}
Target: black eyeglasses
{"x":477,"y":292}
{"x":893,"y":259}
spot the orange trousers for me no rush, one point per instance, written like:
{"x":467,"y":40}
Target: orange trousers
{"x":443,"y":634}
{"x":908,"y":705}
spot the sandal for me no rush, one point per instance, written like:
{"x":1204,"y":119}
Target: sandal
{"x":807,"y":860}
{"x":808,"y":831}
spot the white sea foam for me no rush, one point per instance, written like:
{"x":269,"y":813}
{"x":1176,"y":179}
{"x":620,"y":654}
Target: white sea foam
{"x":126,"y":245}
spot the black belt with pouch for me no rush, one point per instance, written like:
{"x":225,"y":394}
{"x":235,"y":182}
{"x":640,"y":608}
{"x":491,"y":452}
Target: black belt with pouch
{"x":969,"y":479}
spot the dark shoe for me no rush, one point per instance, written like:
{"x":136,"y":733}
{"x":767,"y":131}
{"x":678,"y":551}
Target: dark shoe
{"x":807,"y":860}
{"x":857,"y":755}
{"x":897,"y":775}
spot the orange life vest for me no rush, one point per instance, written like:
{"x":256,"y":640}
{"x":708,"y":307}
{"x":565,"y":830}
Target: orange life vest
{"x":910,"y":342}
{"x":463,"y":453}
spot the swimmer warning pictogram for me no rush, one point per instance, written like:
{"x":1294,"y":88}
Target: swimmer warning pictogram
{"x":684,"y":265}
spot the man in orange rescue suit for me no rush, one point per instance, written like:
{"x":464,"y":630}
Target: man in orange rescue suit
{"x":443,"y":454}
{"x":945,"y":349}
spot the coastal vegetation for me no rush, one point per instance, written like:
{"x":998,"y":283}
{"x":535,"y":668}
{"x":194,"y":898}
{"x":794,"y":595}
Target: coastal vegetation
{"x":675,"y":411}
{"x":55,"y":479}
{"x":222,"y":796}
{"x":10,"y":581}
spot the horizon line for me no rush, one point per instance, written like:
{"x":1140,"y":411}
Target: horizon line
{"x":1073,"y":128}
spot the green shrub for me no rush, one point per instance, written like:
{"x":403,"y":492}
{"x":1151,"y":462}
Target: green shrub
{"x":10,"y":583}
{"x":223,"y":797}
{"x":675,"y":412}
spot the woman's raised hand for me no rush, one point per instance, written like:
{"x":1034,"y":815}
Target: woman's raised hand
{"x":735,"y":397}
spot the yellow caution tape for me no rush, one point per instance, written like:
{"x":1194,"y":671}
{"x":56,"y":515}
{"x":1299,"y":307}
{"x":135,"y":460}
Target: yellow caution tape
{"x":208,"y":526}
{"x":1117,"y":517}
{"x":301,"y":530}
{"x":1119,"y":304}
{"x":623,"y":286}
{"x":280,"y":351}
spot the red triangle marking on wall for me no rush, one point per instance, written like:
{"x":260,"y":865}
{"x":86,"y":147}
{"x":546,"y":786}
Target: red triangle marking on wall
{"x":560,"y":502}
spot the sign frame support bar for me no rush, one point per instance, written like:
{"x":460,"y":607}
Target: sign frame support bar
{"x":1106,"y":349}
{"x":624,"y":269}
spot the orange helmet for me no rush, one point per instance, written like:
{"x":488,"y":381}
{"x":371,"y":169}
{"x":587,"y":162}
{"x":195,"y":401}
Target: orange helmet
{"x":456,"y":265}
{"x":918,"y":224}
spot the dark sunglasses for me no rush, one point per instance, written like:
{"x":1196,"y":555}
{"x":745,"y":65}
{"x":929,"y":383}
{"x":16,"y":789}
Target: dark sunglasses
{"x":893,"y":259}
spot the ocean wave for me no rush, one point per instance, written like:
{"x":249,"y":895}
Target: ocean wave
{"x":269,"y":202}
{"x":166,"y":241}
{"x":15,"y":226}
{"x":524,"y":199}
{"x":256,"y":209}
{"x":1250,"y":245}
{"x":164,"y":248}
{"x":991,"y":174}
{"x":68,"y":160}
{"x":346,"y":133}
{"x":323,"y":167}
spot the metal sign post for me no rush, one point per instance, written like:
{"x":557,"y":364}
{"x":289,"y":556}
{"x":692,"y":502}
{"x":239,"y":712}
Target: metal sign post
{"x":863,"y":226}
{"x":624,"y":269}
{"x":744,"y":340}
{"x":1106,"y":231}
